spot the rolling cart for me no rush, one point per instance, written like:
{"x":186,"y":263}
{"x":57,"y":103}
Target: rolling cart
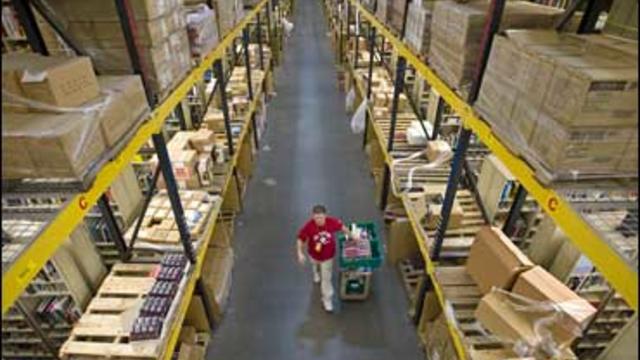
{"x":357,"y":259}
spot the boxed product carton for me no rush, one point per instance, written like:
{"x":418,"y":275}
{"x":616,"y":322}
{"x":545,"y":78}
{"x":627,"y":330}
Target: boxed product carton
{"x":456,"y":33}
{"x":417,"y":32}
{"x":494,"y":260}
{"x":577,"y":92}
{"x":433,"y":216}
{"x":436,"y":149}
{"x":99,"y":10}
{"x":49,"y":145}
{"x":51,"y":80}
{"x":216,"y":276}
{"x":126,"y":105}
{"x":202,"y":30}
{"x":503,"y":316}
{"x":539,"y":285}
{"x":438,"y":341}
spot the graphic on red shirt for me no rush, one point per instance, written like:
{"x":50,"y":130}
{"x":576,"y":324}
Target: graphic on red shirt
{"x":321,"y":243}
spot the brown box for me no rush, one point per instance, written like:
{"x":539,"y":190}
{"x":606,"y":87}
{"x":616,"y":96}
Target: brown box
{"x":53,"y":80}
{"x":196,"y":315}
{"x":456,"y":33}
{"x":497,"y":313}
{"x":188,"y":335}
{"x":494,"y":260}
{"x":537,"y":284}
{"x":81,"y":10}
{"x":437,"y":148}
{"x":433,"y":217}
{"x":49,"y":145}
{"x":202,"y":140}
{"x":126,"y":103}
{"x":216,"y":276}
{"x":438,"y":341}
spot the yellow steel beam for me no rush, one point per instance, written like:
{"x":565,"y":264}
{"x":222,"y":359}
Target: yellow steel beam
{"x":618,"y":272}
{"x":16,"y":278}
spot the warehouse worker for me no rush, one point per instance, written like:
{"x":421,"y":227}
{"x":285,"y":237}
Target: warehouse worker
{"x":318,"y":234}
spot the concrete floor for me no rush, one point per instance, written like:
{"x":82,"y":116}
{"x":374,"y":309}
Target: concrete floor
{"x":274,"y":310}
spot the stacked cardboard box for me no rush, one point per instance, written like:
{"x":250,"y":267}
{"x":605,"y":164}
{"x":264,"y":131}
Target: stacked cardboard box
{"x":159,"y":226}
{"x":395,"y":12}
{"x":381,"y":12}
{"x":577,"y":93}
{"x":192,"y":156}
{"x":217,"y":276}
{"x":58,"y":118}
{"x":550,"y":315}
{"x":229,"y":13}
{"x":623,"y":19}
{"x":456,"y":34}
{"x":202,"y":30}
{"x":417,"y":33}
{"x":161,"y":35}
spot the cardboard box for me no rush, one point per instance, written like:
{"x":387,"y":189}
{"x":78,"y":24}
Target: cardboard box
{"x":45,"y":145}
{"x":494,"y":260}
{"x":202,"y":140}
{"x":82,"y":10}
{"x":433,"y":217}
{"x":126,"y":105}
{"x":438,"y":342}
{"x":501,"y":354}
{"x":196,"y":315}
{"x":188,"y":335}
{"x":539,"y":285}
{"x":498,"y":314}
{"x":53,"y":80}
{"x":216,"y":276}
{"x":456,"y":33}
{"x":437,"y":148}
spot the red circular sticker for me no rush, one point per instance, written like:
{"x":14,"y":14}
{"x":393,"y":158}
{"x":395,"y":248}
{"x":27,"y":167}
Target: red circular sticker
{"x":82,"y":203}
{"x":552,"y":203}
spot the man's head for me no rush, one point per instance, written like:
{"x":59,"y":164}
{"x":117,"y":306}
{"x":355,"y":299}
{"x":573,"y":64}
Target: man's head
{"x":319,"y":214}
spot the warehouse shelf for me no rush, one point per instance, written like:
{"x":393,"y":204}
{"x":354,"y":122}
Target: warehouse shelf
{"x":616,"y":268}
{"x":593,"y":225}
{"x":18,"y":274}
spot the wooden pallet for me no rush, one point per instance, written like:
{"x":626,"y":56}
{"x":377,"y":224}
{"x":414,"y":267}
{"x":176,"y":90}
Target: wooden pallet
{"x":103,"y":331}
{"x":462,"y":293}
{"x":412,"y":276}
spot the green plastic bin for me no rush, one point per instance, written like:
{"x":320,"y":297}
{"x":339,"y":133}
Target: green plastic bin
{"x":371,"y":262}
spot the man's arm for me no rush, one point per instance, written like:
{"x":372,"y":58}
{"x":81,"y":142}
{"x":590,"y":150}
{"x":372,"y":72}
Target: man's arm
{"x":300,"y":251}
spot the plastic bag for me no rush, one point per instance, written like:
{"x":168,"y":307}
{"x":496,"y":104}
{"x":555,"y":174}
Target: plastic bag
{"x":350,"y":99}
{"x":359,"y":118}
{"x":287,"y":26}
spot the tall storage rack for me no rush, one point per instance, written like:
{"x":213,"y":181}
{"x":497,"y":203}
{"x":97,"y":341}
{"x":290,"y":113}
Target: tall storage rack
{"x":574,"y":208}
{"x":74,"y":201}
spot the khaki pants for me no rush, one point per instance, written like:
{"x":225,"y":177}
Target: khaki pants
{"x":324,"y":269}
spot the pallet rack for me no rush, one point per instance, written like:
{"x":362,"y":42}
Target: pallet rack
{"x":75,"y":201}
{"x":562,"y":202}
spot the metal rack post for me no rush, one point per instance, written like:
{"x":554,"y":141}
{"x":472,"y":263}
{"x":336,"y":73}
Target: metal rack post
{"x":259,"y":34}
{"x":31,"y":320}
{"x":404,"y":19}
{"x":129,"y":30}
{"x":514,"y":211}
{"x":437,"y":122}
{"x":397,"y":89}
{"x":31,"y":29}
{"x":145,"y":206}
{"x":247,"y":61}
{"x":112,"y":226}
{"x":372,"y":41}
{"x":356,"y":33}
{"x":491,"y":27}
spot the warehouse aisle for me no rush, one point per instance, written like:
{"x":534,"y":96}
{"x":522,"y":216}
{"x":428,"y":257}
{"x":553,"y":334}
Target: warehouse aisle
{"x":274,"y":310}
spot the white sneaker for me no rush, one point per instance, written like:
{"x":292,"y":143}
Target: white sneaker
{"x":328,"y":305}
{"x":316,"y":278}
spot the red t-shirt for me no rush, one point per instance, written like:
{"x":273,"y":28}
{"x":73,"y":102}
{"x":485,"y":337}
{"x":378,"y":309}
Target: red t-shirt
{"x":321,"y":243}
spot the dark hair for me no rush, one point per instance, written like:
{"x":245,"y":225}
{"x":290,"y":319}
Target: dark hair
{"x":319,"y":209}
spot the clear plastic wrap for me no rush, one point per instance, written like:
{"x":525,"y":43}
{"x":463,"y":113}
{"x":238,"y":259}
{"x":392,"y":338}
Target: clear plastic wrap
{"x":64,"y":142}
{"x":573,"y":93}
{"x":533,"y":328}
{"x":359,"y":118}
{"x":202,"y":30}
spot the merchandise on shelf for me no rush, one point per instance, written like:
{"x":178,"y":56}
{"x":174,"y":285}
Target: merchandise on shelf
{"x":418,"y":27}
{"x":395,"y":13}
{"x":161,"y":37}
{"x":456,"y":34}
{"x":574,"y":111}
{"x":59,"y":119}
{"x":217,"y":276}
{"x":192,"y":156}
{"x":159,"y":226}
{"x":202,"y":30}
{"x":622,"y":19}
